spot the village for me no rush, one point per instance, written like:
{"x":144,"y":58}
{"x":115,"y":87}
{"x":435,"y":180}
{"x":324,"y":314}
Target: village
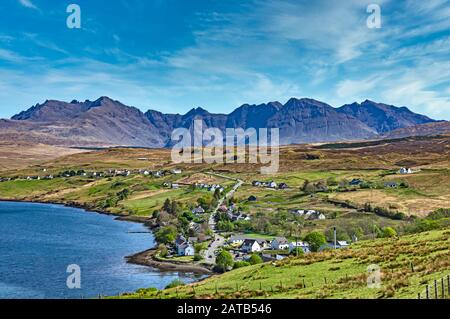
{"x":203,"y":232}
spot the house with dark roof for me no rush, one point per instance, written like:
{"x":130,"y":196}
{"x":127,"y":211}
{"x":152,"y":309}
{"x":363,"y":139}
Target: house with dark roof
{"x":198,"y":210}
{"x":251,"y":246}
{"x":391,"y":184}
{"x":279,"y":243}
{"x":355,"y":182}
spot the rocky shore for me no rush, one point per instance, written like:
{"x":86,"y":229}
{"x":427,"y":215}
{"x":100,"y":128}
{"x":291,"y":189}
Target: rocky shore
{"x":148,"y":258}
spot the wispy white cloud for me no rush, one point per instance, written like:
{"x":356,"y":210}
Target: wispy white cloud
{"x":28,"y":4}
{"x":13,"y":57}
{"x":258,"y":52}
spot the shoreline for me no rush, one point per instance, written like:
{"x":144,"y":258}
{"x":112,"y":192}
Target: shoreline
{"x":143,"y":258}
{"x":146,"y":258}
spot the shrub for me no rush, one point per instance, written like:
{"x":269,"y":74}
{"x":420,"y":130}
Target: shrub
{"x":389,"y":232}
{"x":240,"y":264}
{"x":198,"y":257}
{"x":297,"y":252}
{"x":439,"y":214}
{"x":255,"y":259}
{"x":175,"y":283}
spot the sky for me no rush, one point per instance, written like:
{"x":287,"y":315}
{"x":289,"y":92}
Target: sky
{"x":173,"y":55}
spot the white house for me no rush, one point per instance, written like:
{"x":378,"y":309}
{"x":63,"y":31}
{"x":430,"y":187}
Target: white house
{"x":405,"y":170}
{"x":272,"y":184}
{"x":176,"y":171}
{"x":185,"y":249}
{"x":279,"y":243}
{"x":339,"y":244}
{"x":299,"y":244}
{"x":311,"y":214}
{"x":299,"y":212}
{"x":251,"y":246}
{"x":342,"y":244}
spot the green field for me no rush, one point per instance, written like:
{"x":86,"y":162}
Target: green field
{"x":407,"y":265}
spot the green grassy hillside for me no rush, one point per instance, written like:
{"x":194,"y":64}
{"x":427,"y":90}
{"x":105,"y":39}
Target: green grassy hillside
{"x":407,"y":265}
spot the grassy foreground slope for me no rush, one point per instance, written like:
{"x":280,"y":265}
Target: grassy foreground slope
{"x":407,"y":265}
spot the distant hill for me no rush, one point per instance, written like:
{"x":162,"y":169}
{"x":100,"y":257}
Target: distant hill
{"x":382,"y":117}
{"x":428,"y":129}
{"x":106,"y":122}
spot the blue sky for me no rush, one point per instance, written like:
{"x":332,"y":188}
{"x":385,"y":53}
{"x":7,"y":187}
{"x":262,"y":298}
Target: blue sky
{"x":172,"y":55}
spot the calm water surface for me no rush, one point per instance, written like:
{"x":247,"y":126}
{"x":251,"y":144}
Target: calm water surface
{"x":39,"y":241}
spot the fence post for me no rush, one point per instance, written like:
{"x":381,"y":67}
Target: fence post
{"x":260,"y":285}
{"x":448,"y":284}
{"x":442,"y":288}
{"x":418,"y":296}
{"x":325,"y":278}
{"x":304,"y":284}
{"x":435,"y":289}
{"x":428,"y":293}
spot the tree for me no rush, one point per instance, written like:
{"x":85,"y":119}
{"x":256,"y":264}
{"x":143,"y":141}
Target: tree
{"x":224,"y":261}
{"x":341,"y":234}
{"x":167,"y":206}
{"x":297,"y":251}
{"x":315,"y":240}
{"x":166,"y":234}
{"x":389,"y":232}
{"x":377,"y":231}
{"x":174,"y":207}
{"x":199,"y":247}
{"x":255,"y":259}
{"x":227,"y":225}
{"x":162,"y":250}
{"x":217,"y":194}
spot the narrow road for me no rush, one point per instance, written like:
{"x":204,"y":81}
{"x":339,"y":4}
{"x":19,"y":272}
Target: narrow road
{"x":219,"y":240}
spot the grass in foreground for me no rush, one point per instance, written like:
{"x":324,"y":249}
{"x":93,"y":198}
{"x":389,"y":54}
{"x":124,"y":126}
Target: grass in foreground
{"x":407,"y":265}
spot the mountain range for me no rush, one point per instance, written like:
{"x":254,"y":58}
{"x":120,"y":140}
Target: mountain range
{"x":106,"y":122}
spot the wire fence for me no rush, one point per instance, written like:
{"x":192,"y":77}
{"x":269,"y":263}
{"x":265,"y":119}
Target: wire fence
{"x":438,"y":289}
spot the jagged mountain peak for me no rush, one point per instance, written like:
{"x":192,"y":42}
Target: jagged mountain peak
{"x":383,"y":117}
{"x":197,"y":111}
{"x":300,"y":120}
